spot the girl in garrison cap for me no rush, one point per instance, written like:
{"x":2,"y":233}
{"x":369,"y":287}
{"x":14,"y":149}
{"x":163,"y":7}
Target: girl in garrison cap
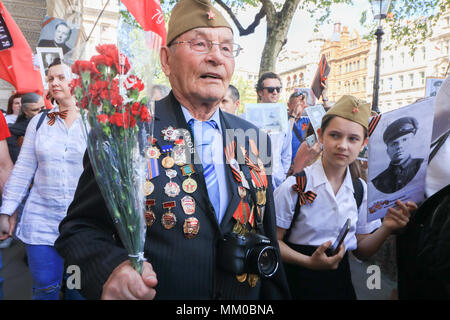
{"x":327,"y":201}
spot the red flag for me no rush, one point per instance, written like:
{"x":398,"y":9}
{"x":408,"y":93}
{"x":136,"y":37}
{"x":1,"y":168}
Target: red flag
{"x":16,"y":57}
{"x":149,"y":15}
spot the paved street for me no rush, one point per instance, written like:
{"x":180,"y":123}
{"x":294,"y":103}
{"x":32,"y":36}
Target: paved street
{"x":18,"y":281}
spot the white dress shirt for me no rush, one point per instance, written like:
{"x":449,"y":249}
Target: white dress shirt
{"x":218,"y":156}
{"x":322,"y":220}
{"x":11,"y":118}
{"x":53,"y":156}
{"x":281,"y":143}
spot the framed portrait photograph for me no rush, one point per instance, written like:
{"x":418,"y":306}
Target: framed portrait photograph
{"x":46,"y":56}
{"x":271,"y":117}
{"x":399,"y":146}
{"x":58,"y":33}
{"x":432,"y":86}
{"x":315,"y":114}
{"x":310,"y":98}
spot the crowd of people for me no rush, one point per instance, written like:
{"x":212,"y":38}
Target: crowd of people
{"x":258,"y":228}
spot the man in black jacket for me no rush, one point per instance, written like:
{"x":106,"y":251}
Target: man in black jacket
{"x":192,"y":208}
{"x":32,"y":104}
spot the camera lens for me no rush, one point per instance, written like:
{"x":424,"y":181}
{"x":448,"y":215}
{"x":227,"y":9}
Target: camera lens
{"x":263,"y":260}
{"x":267,"y":262}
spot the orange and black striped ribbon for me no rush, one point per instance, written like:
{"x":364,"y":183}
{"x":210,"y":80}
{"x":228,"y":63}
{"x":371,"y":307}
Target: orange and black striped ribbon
{"x":251,"y":219}
{"x":52,"y":116}
{"x":250,"y":163}
{"x":323,"y":67}
{"x":229,"y":154}
{"x":256,"y":177}
{"x":373,"y":123}
{"x":264,"y":177}
{"x":303,"y":197}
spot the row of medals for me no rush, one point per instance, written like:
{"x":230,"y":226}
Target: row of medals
{"x":191,"y":225}
{"x":175,"y":155}
{"x":239,"y":228}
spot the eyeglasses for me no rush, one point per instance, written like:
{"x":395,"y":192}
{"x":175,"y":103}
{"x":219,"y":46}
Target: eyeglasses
{"x":272,"y":89}
{"x":228,"y":49}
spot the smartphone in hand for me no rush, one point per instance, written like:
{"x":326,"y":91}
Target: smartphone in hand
{"x":331,"y":251}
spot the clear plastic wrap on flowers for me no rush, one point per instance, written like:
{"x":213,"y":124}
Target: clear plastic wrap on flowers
{"x":113,"y":92}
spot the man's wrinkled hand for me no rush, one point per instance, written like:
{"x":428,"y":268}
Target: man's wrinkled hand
{"x":125,"y":283}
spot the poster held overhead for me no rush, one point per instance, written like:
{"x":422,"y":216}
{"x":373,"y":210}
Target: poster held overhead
{"x":58,"y":33}
{"x":322,"y":72}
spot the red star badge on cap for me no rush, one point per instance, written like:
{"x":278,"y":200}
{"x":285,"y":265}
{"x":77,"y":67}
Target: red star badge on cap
{"x":355,"y":110}
{"x":210,"y":14}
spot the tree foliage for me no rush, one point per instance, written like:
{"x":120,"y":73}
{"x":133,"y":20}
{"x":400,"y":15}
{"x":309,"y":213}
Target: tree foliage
{"x":410,"y":21}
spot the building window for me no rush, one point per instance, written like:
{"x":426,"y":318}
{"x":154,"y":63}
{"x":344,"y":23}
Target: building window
{"x":401,"y":81}
{"x":390,"y":84}
{"x":392,"y":60}
{"x":381,"y":85}
{"x":424,"y":53}
{"x":402,"y":55}
{"x":411,"y":79}
{"x":359,"y":65}
{"x":422,"y":78}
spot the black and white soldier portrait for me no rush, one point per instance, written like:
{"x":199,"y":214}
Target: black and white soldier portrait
{"x":399,"y":146}
{"x":58,"y":33}
{"x":399,"y":138}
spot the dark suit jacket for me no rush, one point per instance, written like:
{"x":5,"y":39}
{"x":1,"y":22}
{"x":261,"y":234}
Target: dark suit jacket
{"x":185,"y":268}
{"x":396,"y":177}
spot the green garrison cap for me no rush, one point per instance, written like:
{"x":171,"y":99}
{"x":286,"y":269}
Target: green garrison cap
{"x":351,"y":108}
{"x":190,"y":14}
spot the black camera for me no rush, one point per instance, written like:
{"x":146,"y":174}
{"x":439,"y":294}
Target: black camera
{"x":252,"y":253}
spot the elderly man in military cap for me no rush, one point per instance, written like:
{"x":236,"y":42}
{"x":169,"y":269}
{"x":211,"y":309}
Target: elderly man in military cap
{"x":399,"y":140}
{"x":194,"y":205}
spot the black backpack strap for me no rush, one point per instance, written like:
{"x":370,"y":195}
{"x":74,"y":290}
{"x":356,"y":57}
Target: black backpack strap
{"x":359,"y":191}
{"x":297,"y":207}
{"x":438,"y":144}
{"x":41,"y":119}
{"x":294,"y":128}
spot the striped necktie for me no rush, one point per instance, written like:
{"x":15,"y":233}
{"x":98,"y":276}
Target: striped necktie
{"x":209,"y":172}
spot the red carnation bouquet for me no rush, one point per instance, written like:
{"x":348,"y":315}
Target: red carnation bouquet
{"x":117,"y":119}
